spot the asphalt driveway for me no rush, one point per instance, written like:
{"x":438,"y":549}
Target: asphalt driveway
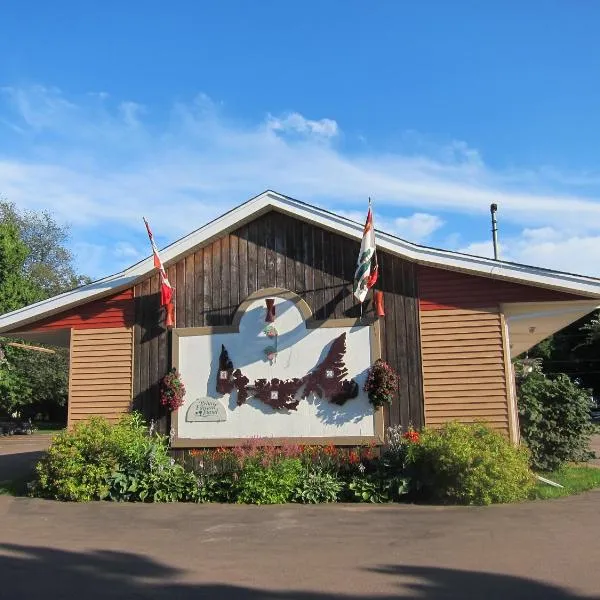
{"x":544,"y":550}
{"x":548,"y":550}
{"x":19,"y":453}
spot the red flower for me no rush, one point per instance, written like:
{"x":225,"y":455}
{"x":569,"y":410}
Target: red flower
{"x":330,"y":450}
{"x":412,"y":436}
{"x":353,"y":457}
{"x":368,"y":454}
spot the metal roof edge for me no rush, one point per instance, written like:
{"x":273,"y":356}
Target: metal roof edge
{"x":271,"y":200}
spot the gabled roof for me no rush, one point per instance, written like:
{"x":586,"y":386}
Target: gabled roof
{"x":270,"y":200}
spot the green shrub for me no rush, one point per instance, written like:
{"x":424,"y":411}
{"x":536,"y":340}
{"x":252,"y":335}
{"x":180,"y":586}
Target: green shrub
{"x":98,"y":460}
{"x":554,"y":420}
{"x":217,"y":487}
{"x":272,"y":484}
{"x":469,"y":464}
{"x":317,"y":485}
{"x":368,"y":488}
{"x":78,"y":464}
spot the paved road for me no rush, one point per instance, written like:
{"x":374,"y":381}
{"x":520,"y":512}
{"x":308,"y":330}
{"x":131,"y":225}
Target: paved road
{"x":534,"y":551}
{"x":18,"y":455}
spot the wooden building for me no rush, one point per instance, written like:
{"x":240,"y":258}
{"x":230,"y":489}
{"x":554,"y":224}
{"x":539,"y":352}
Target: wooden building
{"x":452,"y":325}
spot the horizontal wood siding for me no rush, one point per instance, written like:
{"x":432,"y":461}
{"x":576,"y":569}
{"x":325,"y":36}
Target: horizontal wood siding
{"x":100,"y":373}
{"x":278,"y":250}
{"x":440,"y":289}
{"x":464,"y":367}
{"x":114,"y":311}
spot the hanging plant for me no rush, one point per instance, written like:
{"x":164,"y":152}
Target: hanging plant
{"x":172,"y":390}
{"x":381,"y":384}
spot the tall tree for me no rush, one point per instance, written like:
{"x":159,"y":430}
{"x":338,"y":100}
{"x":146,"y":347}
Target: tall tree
{"x":34,"y":264}
{"x":16,"y":288}
{"x":49,"y":263}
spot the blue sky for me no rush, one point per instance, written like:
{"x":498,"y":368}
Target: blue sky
{"x":181,"y":110}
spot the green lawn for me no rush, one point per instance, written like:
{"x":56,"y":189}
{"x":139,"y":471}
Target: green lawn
{"x":575,"y":479}
{"x":47,"y":427}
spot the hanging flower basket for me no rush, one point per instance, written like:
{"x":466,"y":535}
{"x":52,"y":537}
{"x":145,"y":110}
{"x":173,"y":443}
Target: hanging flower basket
{"x":172,"y":390}
{"x":381,"y":384}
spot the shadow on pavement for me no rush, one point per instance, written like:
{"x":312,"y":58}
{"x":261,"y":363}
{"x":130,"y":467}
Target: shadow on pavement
{"x":18,"y":468}
{"x":34,"y":572}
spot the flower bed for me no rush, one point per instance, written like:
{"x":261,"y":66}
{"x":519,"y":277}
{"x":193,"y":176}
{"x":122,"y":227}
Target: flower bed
{"x":466,"y":464}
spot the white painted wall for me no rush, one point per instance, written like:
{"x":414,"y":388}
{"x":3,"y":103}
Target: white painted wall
{"x":299,"y":351}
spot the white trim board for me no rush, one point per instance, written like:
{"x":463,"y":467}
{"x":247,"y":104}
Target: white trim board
{"x":269,"y":200}
{"x":530,"y":323}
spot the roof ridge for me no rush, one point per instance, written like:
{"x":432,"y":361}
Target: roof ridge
{"x":273,"y":200}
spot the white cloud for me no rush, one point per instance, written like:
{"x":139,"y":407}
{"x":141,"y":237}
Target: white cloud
{"x":295,"y":122}
{"x":417,"y":227}
{"x":38,"y":105}
{"x":127,"y":250}
{"x":130,"y":112}
{"x":547,"y":247}
{"x":99,"y":162}
{"x":98,"y":259}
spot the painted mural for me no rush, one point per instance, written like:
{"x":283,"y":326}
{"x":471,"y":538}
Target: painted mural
{"x":276,"y":377}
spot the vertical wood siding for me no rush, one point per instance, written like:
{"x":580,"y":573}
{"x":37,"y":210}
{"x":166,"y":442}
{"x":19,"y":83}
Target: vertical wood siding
{"x":464,"y":367}
{"x":278,"y":250}
{"x":100,"y":373}
{"x":114,"y":311}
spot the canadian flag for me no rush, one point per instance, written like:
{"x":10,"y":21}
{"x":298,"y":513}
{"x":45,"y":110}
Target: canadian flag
{"x":166,"y":290}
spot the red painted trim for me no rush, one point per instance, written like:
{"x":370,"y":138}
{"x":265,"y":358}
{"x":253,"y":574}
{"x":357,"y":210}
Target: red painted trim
{"x":112,"y":311}
{"x":440,"y":289}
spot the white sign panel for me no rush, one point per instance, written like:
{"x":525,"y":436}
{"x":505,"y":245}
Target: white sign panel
{"x":298,"y":351}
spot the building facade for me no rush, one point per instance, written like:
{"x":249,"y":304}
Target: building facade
{"x":452,"y":325}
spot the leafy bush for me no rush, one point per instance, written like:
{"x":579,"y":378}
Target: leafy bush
{"x":469,"y":464}
{"x":98,"y":460}
{"x":124,"y":462}
{"x":368,"y":488}
{"x":555,"y":420}
{"x":317,"y":485}
{"x":273,"y":484}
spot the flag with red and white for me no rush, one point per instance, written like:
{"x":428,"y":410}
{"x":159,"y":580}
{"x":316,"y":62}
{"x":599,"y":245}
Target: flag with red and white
{"x":367,"y":269}
{"x":166,"y":290}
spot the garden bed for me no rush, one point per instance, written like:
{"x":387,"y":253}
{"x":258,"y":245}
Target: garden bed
{"x":460,"y":464}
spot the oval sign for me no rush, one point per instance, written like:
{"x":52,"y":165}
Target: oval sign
{"x":205,"y":409}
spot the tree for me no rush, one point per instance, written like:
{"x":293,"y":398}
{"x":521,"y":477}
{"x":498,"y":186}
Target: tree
{"x":16,"y":289}
{"x":48,"y":264}
{"x":34,"y":382}
{"x":34,"y":264}
{"x":554,"y":418}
